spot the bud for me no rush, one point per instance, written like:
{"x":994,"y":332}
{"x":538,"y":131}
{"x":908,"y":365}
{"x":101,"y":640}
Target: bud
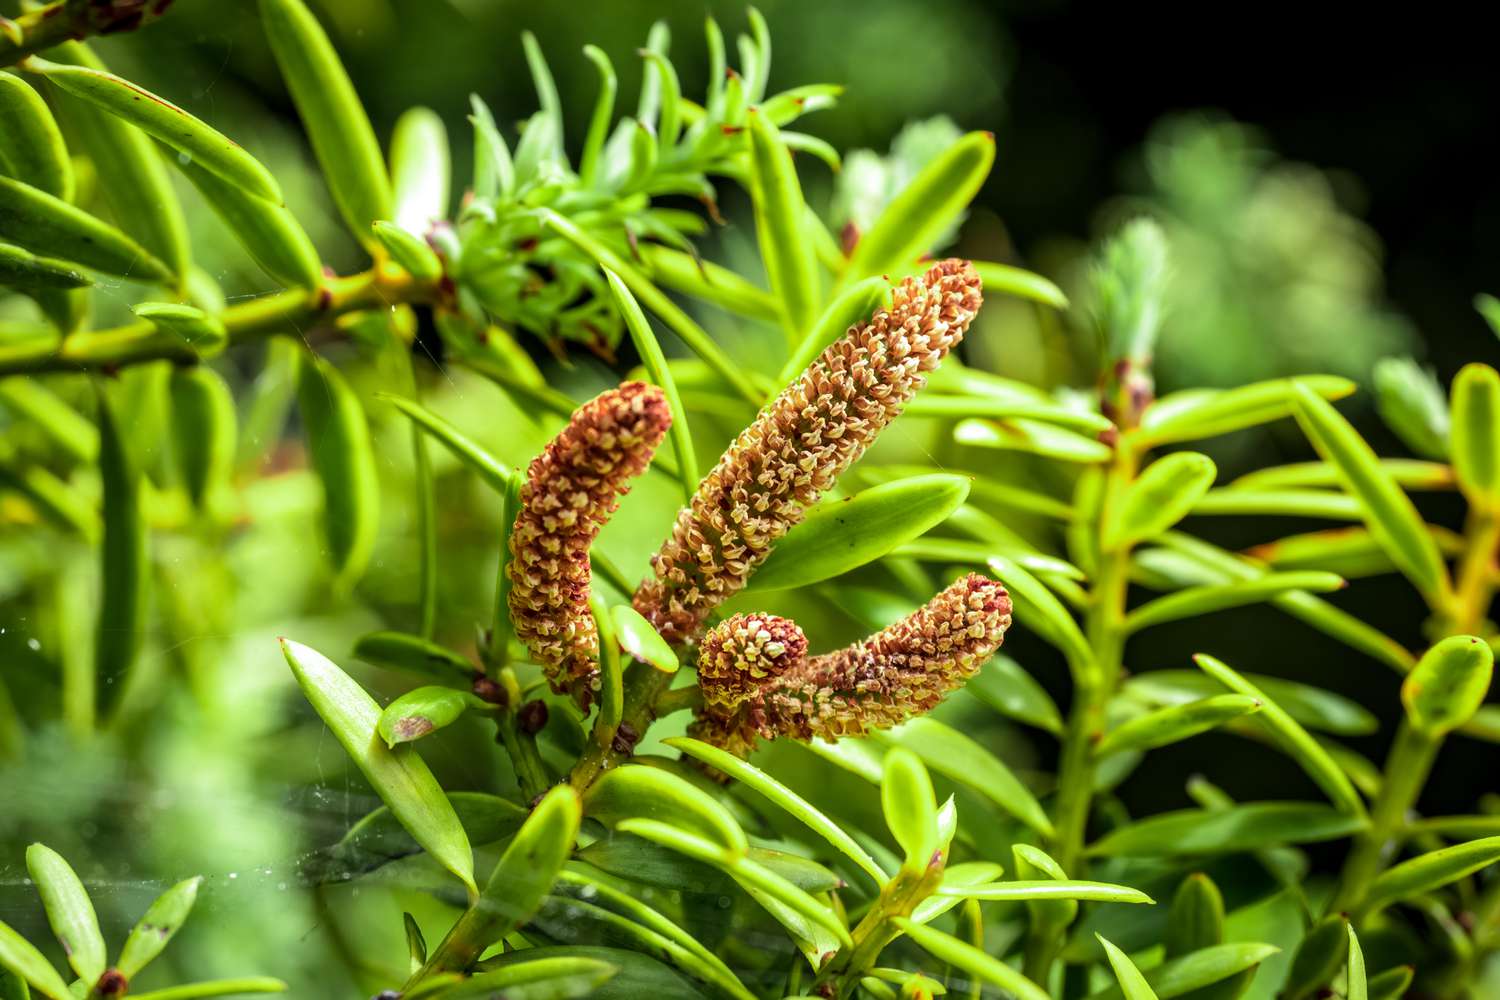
{"x":571,"y":489}
{"x":800,"y":444}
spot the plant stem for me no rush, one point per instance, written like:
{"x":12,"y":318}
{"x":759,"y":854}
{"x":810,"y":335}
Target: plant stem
{"x":1406,"y":771}
{"x":70,"y":20}
{"x":290,"y":311}
{"x":644,"y":684}
{"x":1093,"y":685}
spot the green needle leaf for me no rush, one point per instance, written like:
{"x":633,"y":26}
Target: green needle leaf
{"x":1356,"y":986}
{"x":1049,"y":889}
{"x":25,"y":962}
{"x":45,"y":224}
{"x":34,"y":150}
{"x":638,"y":638}
{"x":1194,"y":414}
{"x":1195,"y":601}
{"x":161,"y":118}
{"x":703,"y":279}
{"x":661,"y":374}
{"x":638,"y":792}
{"x":1448,"y":685}
{"x":124,"y":568}
{"x":203,"y":421}
{"x":1387,"y":511}
{"x":411,"y":253}
{"x":420,"y":170}
{"x":1132,"y":983}
{"x":422,"y":711}
{"x":215,"y":988}
{"x":331,"y":112}
{"x":70,"y":912}
{"x":784,"y":798}
{"x":205,"y":334}
{"x":972,"y":960}
{"x":269,"y":233}
{"x":161,"y":921}
{"x":399,"y":777}
{"x":779,"y":208}
{"x":910,"y":808}
{"x":1170,"y":725}
{"x":924,"y":209}
{"x":958,"y":757}
{"x":493,"y":471}
{"x":1291,"y":737}
{"x":1476,"y":435}
{"x":1248,"y":827}
{"x":338,"y":442}
{"x":1161,"y":496}
{"x":416,"y":655}
{"x":25,"y":270}
{"x":1430,"y":871}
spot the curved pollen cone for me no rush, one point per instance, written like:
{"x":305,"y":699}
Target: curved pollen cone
{"x":571,"y":489}
{"x":741,"y":655}
{"x":800,"y":444}
{"x":900,"y":672}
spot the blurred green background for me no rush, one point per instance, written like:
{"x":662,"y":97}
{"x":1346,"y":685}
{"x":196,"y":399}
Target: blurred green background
{"x":1328,"y":183}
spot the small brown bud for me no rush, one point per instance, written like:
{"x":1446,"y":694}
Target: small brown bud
{"x":112,"y":983}
{"x":532,"y":717}
{"x":488,"y":690}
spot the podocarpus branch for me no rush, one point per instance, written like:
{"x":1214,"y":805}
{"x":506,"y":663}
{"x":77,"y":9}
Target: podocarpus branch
{"x":69,"y":20}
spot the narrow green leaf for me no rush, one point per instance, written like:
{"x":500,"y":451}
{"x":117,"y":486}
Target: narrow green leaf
{"x":1171,"y":725}
{"x":24,"y":961}
{"x":958,"y":757}
{"x":1319,"y":957}
{"x":652,"y":793}
{"x":560,"y":978}
{"x":1351,"y":552}
{"x":50,"y":226}
{"x":1195,"y":414}
{"x":740,"y":867}
{"x":694,"y":336}
{"x":1049,"y":889}
{"x":1006,"y":687}
{"x":1196,"y":919}
{"x":638,"y":638}
{"x":1006,"y":279}
{"x":269,"y":233}
{"x":1476,"y":434}
{"x":70,"y":912}
{"x":32,"y":401}
{"x":414,"y":654}
{"x":331,"y":112}
{"x":1132,"y":983}
{"x":1409,"y":473}
{"x":1430,"y":871}
{"x":519,"y":883}
{"x":34,"y":151}
{"x":338,"y":442}
{"x":203,"y":430}
{"x":156,"y":927}
{"x":853,"y":306}
{"x":215,"y":988}
{"x":1412,"y":403}
{"x":1449,"y":684}
{"x":409,"y":252}
{"x":1195,"y":601}
{"x":1045,"y":612}
{"x":125,"y":573}
{"x":910,"y":808}
{"x":1228,"y":831}
{"x":611,"y":672}
{"x":1313,"y":707}
{"x":837,"y":536}
{"x":1291,"y":737}
{"x":1180,"y":977}
{"x":1387,"y":511}
{"x":139,"y":191}
{"x":779,"y":208}
{"x":656,"y":366}
{"x":784,"y":798}
{"x":1391,"y":984}
{"x":1032,"y":437}
{"x":604,"y":109}
{"x":158,"y":117}
{"x":204,"y":333}
{"x":422,"y":711}
{"x":25,"y":270}
{"x":703,"y":279}
{"x":998,"y":544}
{"x":1160,"y":496}
{"x":1356,"y":986}
{"x":494,"y":171}
{"x":494,"y":472}
{"x":924,"y":209}
{"x":1235,"y":501}
{"x":399,"y":777}
{"x":420,"y":170}
{"x":972,"y":960}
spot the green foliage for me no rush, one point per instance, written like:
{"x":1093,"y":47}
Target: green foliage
{"x":167,"y":508}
